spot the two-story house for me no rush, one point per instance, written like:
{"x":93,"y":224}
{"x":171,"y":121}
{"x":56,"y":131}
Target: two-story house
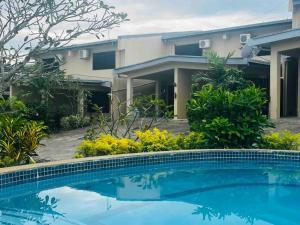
{"x":283,"y":48}
{"x":161,"y":64}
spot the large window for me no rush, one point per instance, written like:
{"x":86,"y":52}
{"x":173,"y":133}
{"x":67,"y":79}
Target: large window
{"x":104,"y":60}
{"x":101,"y":99}
{"x":192,"y":49}
{"x":50,"y":64}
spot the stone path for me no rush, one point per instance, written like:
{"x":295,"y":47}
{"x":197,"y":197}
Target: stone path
{"x":292,"y":124}
{"x":63,"y":145}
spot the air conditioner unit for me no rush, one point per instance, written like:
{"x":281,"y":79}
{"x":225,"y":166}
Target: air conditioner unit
{"x":244,"y":38}
{"x":84,"y":54}
{"x":204,"y":44}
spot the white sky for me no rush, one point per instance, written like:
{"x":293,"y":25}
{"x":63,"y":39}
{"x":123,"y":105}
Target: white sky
{"x":152,"y":16}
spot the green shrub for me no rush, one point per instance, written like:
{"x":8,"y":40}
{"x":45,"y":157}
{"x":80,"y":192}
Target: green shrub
{"x":74,"y":122}
{"x":219,"y":74}
{"x":13,"y":107}
{"x":284,"y":140}
{"x":19,"y":136}
{"x":19,"y":140}
{"x":191,"y":141}
{"x":228,"y":119}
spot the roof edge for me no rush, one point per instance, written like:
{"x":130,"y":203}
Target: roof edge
{"x":255,"y":25}
{"x":86,"y":45}
{"x":172,"y":59}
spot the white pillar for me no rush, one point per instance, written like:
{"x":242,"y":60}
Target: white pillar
{"x":176,"y":80}
{"x":298,"y":86}
{"x":157,"y":89}
{"x":10,"y":91}
{"x":275,"y":85}
{"x":284,"y":90}
{"x":157,"y":92}
{"x":129,"y":96}
{"x":80,"y":102}
{"x":182,"y":92}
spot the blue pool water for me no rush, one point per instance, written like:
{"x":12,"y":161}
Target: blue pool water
{"x":175,"y":194}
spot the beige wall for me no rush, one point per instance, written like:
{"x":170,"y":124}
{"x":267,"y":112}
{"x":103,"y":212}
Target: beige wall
{"x":83,"y":68}
{"x":275,"y":71}
{"x":232,"y":44}
{"x":137,"y":49}
{"x":296,"y":16}
{"x":133,"y":50}
{"x":183,"y":90}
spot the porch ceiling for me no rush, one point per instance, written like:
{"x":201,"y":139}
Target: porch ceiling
{"x":170,"y":63}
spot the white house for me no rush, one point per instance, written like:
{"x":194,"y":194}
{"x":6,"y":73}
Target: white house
{"x":163,"y":63}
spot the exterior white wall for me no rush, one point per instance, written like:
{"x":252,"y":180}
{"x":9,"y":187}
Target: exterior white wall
{"x":182,"y":90}
{"x":275,"y":72}
{"x":83,"y":68}
{"x":296,"y":16}
{"x":232,"y":43}
{"x":275,"y":91}
{"x":138,"y":49}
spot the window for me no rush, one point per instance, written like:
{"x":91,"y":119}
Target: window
{"x":50,"y":65}
{"x":104,"y":60}
{"x":101,"y":99}
{"x":192,"y":49}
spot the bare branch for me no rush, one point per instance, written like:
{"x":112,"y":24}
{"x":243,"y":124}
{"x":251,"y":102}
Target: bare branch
{"x":30,"y":28}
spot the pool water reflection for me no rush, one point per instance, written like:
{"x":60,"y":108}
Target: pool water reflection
{"x":160,"y":195}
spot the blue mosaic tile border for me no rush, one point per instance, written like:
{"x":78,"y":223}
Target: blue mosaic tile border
{"x":41,"y":172}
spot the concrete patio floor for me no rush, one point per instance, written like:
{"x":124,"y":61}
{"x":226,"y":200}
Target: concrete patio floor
{"x":63,"y":145}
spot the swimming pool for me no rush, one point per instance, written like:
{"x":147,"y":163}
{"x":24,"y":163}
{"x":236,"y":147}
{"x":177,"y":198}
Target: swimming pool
{"x":178,"y":188}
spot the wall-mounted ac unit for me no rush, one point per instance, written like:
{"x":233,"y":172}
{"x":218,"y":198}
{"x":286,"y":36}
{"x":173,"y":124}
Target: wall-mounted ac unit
{"x":244,"y":38}
{"x":204,"y":44}
{"x":84,"y":54}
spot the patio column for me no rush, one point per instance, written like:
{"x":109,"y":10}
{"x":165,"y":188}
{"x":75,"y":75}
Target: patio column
{"x":129,"y":95}
{"x":275,"y":84}
{"x":298,"y":85}
{"x":157,"y":92}
{"x":182,"y":92}
{"x":80,"y":102}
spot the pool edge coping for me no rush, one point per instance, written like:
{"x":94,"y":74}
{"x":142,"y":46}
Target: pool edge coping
{"x":133,"y":155}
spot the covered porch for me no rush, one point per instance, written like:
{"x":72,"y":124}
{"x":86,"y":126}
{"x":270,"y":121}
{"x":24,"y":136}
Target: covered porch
{"x":171,"y":77}
{"x":284,"y":52}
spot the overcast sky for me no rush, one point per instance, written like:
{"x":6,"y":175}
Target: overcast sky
{"x":148,"y":16}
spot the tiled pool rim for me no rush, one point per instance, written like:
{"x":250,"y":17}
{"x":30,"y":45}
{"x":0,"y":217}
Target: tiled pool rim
{"x":29,"y":173}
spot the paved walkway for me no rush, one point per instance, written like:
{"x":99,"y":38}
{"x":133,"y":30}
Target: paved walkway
{"x":63,"y":145}
{"x":292,"y":124}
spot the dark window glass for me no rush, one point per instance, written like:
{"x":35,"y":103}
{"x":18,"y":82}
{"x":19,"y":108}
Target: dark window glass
{"x":104,"y":60}
{"x":50,"y":64}
{"x":192,"y":49}
{"x":101,"y":99}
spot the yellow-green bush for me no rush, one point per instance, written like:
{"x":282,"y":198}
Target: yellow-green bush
{"x":156,"y":140}
{"x":149,"y":141}
{"x":107,"y":145}
{"x":284,"y":140}
{"x":192,"y":141}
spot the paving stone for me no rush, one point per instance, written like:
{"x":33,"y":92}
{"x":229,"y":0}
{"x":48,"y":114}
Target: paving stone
{"x":63,"y":145}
